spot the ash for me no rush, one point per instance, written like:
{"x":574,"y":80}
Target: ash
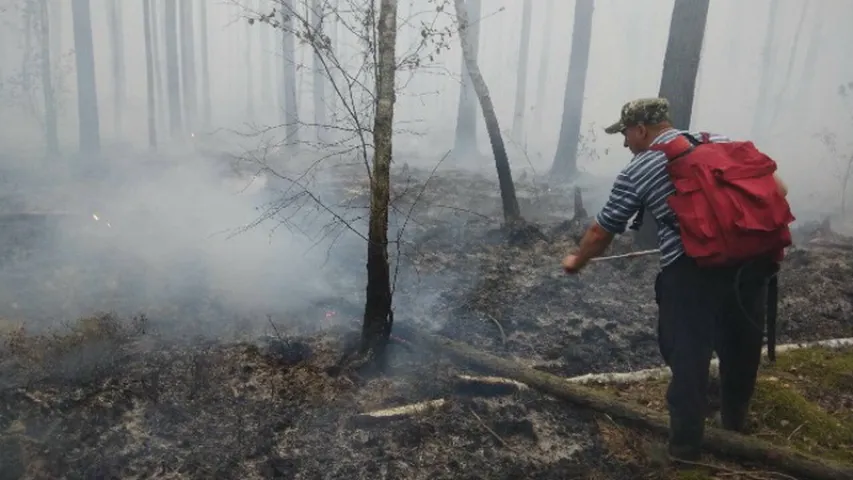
{"x":183,"y":383}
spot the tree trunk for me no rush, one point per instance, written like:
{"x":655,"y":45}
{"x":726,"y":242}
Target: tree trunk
{"x":466,"y":118}
{"x":289,"y":108}
{"x":378,"y":315}
{"x":250,"y":75}
{"x":87,"y":91}
{"x":319,"y":73}
{"x":521,"y":75}
{"x":681,"y":63}
{"x":565,"y":164}
{"x":5,"y":41}
{"x":117,"y":50}
{"x":205,"y":65}
{"x":173,"y":76}
{"x":512,"y":214}
{"x":335,"y":43}
{"x":719,"y":441}
{"x":188,"y":64}
{"x":156,"y":50}
{"x":678,"y":80}
{"x":55,"y":10}
{"x":544,"y":61}
{"x":264,"y":32}
{"x":149,"y":74}
{"x":26,"y":55}
{"x":50,"y":120}
{"x":768,"y":66}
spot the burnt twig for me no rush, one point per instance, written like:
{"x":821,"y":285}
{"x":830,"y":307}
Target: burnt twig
{"x":488,"y":429}
{"x":500,"y":327}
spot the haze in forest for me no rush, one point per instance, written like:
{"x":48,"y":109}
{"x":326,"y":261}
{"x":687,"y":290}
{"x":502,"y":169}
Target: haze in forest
{"x":774,"y":71}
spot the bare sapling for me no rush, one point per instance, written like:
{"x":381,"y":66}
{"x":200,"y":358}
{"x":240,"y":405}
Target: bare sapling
{"x":378,"y":316}
{"x":362,"y":126}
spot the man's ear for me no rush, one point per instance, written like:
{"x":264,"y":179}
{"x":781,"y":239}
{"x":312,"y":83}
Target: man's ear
{"x":642,"y":130}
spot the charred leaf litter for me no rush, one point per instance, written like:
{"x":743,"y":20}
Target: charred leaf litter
{"x":126,"y":397}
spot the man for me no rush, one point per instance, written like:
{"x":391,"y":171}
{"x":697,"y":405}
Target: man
{"x":701,"y":309}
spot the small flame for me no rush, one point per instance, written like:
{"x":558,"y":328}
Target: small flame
{"x":95,"y":216}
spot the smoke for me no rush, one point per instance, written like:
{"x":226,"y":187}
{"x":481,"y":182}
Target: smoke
{"x":163,"y":232}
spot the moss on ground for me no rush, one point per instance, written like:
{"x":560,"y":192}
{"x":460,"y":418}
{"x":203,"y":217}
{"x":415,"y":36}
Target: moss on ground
{"x":804,"y":401}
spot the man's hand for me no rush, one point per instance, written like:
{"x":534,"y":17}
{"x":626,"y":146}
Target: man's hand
{"x":594,"y":242}
{"x":573,"y":263}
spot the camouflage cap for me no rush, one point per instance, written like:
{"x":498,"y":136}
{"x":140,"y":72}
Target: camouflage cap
{"x":643,"y":111}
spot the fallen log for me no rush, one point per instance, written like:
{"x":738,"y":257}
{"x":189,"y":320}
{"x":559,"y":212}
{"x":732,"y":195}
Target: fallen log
{"x":722,"y":442}
{"x":660,"y":373}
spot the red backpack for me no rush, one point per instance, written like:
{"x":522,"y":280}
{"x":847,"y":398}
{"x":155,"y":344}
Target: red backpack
{"x":728,"y":206}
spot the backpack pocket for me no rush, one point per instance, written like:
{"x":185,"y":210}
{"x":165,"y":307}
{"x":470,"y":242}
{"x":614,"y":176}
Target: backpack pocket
{"x":757,"y":205}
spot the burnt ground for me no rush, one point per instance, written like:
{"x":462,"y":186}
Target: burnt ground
{"x":111,"y":397}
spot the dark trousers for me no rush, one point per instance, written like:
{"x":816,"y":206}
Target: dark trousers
{"x":702,"y":310}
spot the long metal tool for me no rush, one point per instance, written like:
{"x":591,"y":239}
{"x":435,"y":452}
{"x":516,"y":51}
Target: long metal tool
{"x":641,"y":253}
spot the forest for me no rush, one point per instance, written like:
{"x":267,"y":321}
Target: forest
{"x":322,"y":238}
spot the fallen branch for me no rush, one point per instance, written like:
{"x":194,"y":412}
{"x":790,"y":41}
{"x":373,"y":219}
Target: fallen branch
{"x":664,"y":372}
{"x":398,"y":412}
{"x":731,"y":472}
{"x":500,"y":327}
{"x":719,"y":441}
{"x":489,"y":386}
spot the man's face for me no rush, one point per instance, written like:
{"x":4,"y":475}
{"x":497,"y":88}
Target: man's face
{"x":636,"y":138}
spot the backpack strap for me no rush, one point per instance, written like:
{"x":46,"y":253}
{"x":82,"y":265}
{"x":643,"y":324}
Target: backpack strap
{"x":637,"y":223}
{"x":674,"y":149}
{"x":681,"y":145}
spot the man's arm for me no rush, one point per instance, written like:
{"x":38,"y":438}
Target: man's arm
{"x":621,"y":206}
{"x":594,"y":242}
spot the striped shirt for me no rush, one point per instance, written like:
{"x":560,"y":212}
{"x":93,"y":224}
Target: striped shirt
{"x":645,"y":182}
